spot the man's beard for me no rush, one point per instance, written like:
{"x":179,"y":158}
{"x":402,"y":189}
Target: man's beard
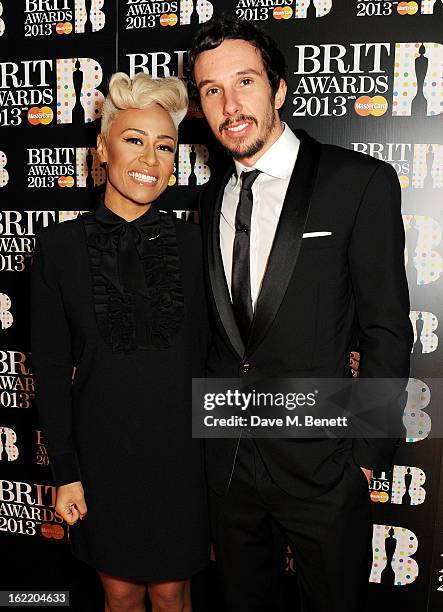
{"x":255,"y":147}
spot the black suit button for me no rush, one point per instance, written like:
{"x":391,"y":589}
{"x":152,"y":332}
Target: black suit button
{"x":245,"y":367}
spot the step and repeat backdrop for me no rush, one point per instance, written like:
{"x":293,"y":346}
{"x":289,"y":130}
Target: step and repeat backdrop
{"x":363,"y":74}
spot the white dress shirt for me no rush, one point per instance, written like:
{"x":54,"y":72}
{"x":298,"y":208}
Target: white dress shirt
{"x":268,"y":191}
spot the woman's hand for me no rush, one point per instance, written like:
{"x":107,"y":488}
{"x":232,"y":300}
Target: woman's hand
{"x":368,"y":473}
{"x":71,"y":503}
{"x":354,"y":363}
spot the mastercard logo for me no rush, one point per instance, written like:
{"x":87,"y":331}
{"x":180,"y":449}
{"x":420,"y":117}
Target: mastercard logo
{"x":379,"y":496}
{"x":52,"y":531}
{"x":65,"y":181}
{"x":63,"y":28}
{"x":375,"y":106}
{"x":168,"y":19}
{"x":282,"y":12}
{"x":43,"y":115}
{"x":407,"y":8}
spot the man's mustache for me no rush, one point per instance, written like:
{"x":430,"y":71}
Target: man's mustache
{"x":238,"y":119}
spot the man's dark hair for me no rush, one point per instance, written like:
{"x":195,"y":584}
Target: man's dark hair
{"x":214,"y":32}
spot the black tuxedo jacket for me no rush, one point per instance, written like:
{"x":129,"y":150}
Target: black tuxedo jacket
{"x":319,"y":298}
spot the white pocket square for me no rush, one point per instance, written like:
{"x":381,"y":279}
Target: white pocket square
{"x":316,"y":234}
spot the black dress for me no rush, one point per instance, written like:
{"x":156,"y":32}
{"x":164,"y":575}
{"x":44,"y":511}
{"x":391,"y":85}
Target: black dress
{"x":124,"y":304}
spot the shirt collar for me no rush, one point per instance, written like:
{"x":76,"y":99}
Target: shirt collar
{"x":278,"y":161}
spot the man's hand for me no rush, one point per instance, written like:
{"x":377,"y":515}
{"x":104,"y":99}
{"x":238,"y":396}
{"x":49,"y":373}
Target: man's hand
{"x":71,"y":503}
{"x":367,"y":473}
{"x":354,"y":362}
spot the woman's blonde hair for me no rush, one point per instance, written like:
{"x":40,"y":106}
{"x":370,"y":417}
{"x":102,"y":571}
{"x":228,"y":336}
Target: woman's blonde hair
{"x":143,"y":91}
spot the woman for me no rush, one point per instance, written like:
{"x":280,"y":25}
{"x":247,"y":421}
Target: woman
{"x":118,"y":297}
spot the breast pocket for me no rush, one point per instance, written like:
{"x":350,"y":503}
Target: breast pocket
{"x":320,"y":260}
{"x":318,"y":242}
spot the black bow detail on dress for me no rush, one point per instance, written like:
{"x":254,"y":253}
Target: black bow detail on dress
{"x":124,"y":244}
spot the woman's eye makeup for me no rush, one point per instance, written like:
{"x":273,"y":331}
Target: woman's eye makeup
{"x":138,"y":141}
{"x":165,"y":147}
{"x":133,"y":139}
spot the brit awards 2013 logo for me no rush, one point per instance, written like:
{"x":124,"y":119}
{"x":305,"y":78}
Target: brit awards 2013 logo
{"x":402,"y":486}
{"x":78,"y":99}
{"x":8,"y":444}
{"x":424,"y":325}
{"x":281,"y":10}
{"x":424,"y":264}
{"x":427,"y":166}
{"x":37,"y":90}
{"x":41,"y":452}
{"x":375,"y":8}
{"x":17,"y":235}
{"x":419,"y":166}
{"x":29,"y":509}
{"x":393,"y":549}
{"x":332,"y":79}
{"x":157,"y":63}
{"x":6,"y":316}
{"x":418,"y":79}
{"x":191,"y":166}
{"x":2,"y":23}
{"x":416,"y":420}
{"x":16,"y":380}
{"x":64,"y":168}
{"x":4,"y":174}
{"x":407,"y":485}
{"x":17,"y":231}
{"x":60,"y":17}
{"x":141,"y":14}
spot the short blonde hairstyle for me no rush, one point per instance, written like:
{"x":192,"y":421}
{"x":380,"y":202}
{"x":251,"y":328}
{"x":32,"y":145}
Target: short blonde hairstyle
{"x":142,"y":91}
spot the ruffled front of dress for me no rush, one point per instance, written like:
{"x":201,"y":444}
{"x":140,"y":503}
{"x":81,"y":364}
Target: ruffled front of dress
{"x":137,"y":289}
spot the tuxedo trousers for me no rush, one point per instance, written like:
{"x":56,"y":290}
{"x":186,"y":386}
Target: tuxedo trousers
{"x":329,"y":535}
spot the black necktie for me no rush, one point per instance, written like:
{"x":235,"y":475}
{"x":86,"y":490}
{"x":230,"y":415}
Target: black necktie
{"x":241,"y":277}
{"x":124,"y":245}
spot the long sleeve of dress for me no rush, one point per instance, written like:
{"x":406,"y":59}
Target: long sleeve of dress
{"x":52,"y":364}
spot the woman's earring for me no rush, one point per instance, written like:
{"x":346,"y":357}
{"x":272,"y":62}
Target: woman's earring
{"x":172,"y":178}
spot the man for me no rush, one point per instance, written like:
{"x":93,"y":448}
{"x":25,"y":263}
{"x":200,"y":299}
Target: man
{"x":304,"y":256}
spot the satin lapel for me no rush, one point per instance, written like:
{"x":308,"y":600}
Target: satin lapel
{"x":288,"y":238}
{"x":220,"y":291}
